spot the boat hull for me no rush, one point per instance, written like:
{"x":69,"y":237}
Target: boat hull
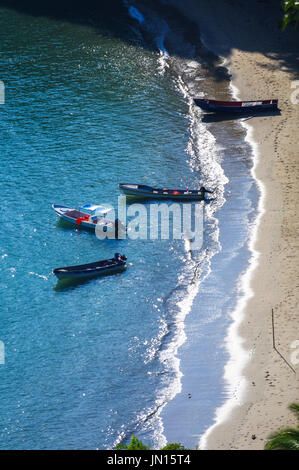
{"x":63,"y":211}
{"x":236,"y":106}
{"x":96,"y":269}
{"x":72,"y":215}
{"x":89,"y":275}
{"x":152,"y":193}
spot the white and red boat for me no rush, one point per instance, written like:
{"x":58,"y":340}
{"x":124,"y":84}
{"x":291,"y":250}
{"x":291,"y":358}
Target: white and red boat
{"x":89,"y":216}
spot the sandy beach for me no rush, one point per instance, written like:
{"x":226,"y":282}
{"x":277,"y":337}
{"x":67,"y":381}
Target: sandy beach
{"x":262,"y":62}
{"x":180,"y":347}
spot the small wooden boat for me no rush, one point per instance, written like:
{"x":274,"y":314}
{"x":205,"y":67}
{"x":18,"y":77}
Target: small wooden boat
{"x":99,"y":268}
{"x":88,"y":216}
{"x":236,"y":106}
{"x":141,"y":190}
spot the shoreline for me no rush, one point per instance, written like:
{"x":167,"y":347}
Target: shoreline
{"x":239,"y":357}
{"x":271,"y":282}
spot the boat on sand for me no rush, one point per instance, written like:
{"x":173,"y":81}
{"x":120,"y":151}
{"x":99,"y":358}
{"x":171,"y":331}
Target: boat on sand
{"x":236,"y":106}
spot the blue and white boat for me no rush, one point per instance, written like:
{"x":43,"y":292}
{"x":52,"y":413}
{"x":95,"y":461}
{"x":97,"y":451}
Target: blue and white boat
{"x":86,"y":216}
{"x":89,"y":216}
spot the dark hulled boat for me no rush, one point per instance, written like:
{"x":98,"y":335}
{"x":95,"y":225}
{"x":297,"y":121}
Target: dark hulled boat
{"x":98,"y":268}
{"x":141,"y":190}
{"x":236,"y":106}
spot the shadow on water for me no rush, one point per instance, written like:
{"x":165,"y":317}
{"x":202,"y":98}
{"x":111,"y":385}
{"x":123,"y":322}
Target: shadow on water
{"x":63,"y":285}
{"x":67,"y":226}
{"x":70,"y":284}
{"x":142,"y":200}
{"x":112,"y":18}
{"x":90,"y":12}
{"x":220,"y":117}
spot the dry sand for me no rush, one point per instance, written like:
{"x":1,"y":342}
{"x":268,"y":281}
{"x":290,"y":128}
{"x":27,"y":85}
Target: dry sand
{"x":262,"y":61}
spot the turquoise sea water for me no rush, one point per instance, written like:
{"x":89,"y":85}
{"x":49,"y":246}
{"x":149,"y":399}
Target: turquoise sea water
{"x":90,"y":364}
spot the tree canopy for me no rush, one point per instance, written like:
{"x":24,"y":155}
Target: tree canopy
{"x":285,"y":439}
{"x":291,"y":12}
{"x":136,"y":444}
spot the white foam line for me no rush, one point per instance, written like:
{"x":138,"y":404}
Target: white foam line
{"x":38,"y":275}
{"x":236,"y":382}
{"x":163,"y":53}
{"x":170,"y":355}
{"x":134,"y":13}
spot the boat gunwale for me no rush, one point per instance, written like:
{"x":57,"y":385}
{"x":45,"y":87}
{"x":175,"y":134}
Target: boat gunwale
{"x":84,"y":223}
{"x":160,"y":191}
{"x":82,"y":268}
{"x":272,"y":102}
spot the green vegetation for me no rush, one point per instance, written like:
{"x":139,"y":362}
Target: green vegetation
{"x":174,"y":446}
{"x":135,"y":444}
{"x":291,"y":12}
{"x":285,"y":439}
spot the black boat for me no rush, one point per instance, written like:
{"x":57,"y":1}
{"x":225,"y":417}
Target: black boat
{"x":98,"y":268}
{"x":236,"y":106}
{"x":141,"y":190}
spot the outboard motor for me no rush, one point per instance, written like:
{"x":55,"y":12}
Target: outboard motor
{"x":120,"y":229}
{"x":204,"y":190}
{"x":116,"y":228}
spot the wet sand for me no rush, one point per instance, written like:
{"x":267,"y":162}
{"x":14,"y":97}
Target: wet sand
{"x":263,"y":62}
